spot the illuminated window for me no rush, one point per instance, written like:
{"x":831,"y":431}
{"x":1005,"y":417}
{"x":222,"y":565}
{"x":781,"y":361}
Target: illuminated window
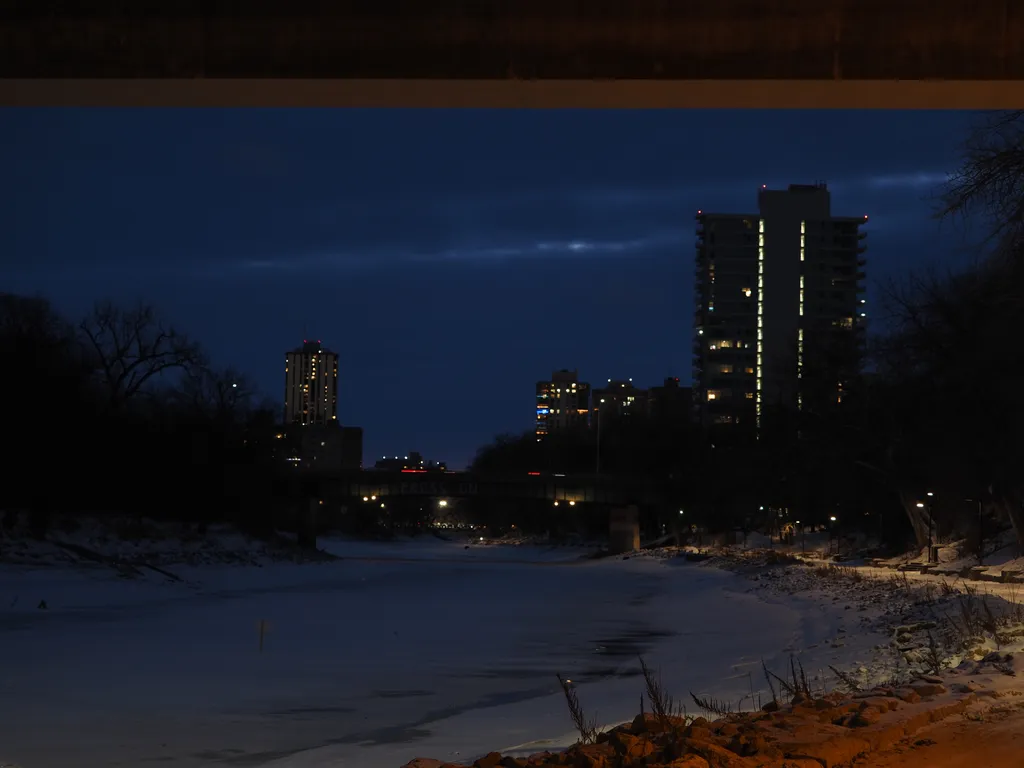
{"x":725,"y":344}
{"x":748,"y":395}
{"x":748,"y":370}
{"x":747,"y":292}
{"x":713,"y":394}
{"x":721,"y":369}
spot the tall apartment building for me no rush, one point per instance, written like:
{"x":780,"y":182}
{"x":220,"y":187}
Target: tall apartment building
{"x":311,"y":386}
{"x":779,"y":310}
{"x":562,"y":402}
{"x":618,"y":399}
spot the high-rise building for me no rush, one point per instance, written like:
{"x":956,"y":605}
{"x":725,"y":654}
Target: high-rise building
{"x":562,"y":402}
{"x":311,"y":386}
{"x":618,"y":399}
{"x":779,"y":310}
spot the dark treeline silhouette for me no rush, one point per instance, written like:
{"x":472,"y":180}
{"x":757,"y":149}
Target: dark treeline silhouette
{"x":120,"y":413}
{"x":939,"y":412}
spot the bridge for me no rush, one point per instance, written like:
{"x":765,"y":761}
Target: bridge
{"x":738,"y":53}
{"x":601,"y":501}
{"x":569,"y":490}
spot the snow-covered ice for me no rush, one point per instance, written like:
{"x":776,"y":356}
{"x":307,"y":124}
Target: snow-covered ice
{"x":395,"y":651}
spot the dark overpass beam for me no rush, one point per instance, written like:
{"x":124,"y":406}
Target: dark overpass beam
{"x":529,"y":39}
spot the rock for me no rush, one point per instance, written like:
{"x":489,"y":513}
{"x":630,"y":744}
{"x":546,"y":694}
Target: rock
{"x":593,"y":756}
{"x":771,"y":706}
{"x":728,"y":729}
{"x":867,"y":716}
{"x":651,"y":723}
{"x":907,"y":695}
{"x":629,"y":746}
{"x":928,"y":689}
{"x":513,"y":762}
{"x":968,"y":687}
{"x":423,"y":762}
{"x":718,"y":756}
{"x":491,"y":760}
{"x":689,"y":761}
{"x":754,"y":744}
{"x":699,"y":732}
{"x":540,"y":758}
{"x":835,"y":751}
{"x":885,"y":704}
{"x":931,"y":679}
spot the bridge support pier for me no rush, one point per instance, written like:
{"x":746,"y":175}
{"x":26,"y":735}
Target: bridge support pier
{"x":623,"y":530}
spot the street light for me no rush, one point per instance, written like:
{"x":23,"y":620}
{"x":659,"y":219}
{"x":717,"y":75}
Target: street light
{"x":981,"y":532}
{"x":442,"y":503}
{"x":931,"y":522}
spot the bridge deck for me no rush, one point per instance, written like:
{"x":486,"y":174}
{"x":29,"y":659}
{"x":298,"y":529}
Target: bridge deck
{"x":578,"y":489}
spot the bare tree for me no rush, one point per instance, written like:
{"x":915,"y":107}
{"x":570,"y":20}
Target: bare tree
{"x":990,"y":182}
{"x":131,"y":347}
{"x":224,"y":395}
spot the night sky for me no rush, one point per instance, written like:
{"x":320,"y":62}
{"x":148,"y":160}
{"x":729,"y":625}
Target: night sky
{"x":451,"y":258}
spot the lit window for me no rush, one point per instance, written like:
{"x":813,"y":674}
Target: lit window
{"x":747,"y":292}
{"x":713,"y":394}
{"x":725,"y":344}
{"x":748,"y":395}
{"x":724,"y":369}
{"x":748,"y":370}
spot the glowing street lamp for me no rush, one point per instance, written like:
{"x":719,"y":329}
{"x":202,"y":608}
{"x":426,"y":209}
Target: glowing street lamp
{"x":442,"y":503}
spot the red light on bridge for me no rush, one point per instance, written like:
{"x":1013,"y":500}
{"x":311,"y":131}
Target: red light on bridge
{"x":414,"y":471}
{"x":533,"y":473}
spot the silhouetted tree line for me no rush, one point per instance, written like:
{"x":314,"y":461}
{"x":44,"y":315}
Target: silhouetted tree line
{"x":939,"y":410}
{"x":121,"y":413}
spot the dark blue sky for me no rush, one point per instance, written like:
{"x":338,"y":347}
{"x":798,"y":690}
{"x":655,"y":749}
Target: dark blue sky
{"x":451,"y":258}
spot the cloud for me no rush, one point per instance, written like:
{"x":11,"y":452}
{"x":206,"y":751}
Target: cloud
{"x":478,"y":254}
{"x":921,"y":180}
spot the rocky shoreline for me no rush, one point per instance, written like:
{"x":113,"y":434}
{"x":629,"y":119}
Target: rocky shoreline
{"x":827,"y":731}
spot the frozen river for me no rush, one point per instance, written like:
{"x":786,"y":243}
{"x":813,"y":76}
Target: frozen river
{"x":400,"y":651}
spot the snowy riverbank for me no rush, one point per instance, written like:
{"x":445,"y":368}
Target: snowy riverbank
{"x":368,"y":660}
{"x":387,"y":651}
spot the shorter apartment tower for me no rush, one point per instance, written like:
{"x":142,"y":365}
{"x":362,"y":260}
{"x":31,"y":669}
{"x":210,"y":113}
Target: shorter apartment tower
{"x":562,"y":402}
{"x":310,"y":386}
{"x":670,"y":402}
{"x":619,"y":399}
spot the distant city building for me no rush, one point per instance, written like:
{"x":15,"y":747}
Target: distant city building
{"x":413,"y":462}
{"x":779,"y":315}
{"x":670,"y":402}
{"x":618,"y":399}
{"x":310,"y":386}
{"x":562,"y":402}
